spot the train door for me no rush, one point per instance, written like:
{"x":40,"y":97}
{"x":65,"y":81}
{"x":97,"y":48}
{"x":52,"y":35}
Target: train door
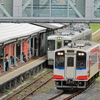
{"x":59,"y":44}
{"x":70,"y":66}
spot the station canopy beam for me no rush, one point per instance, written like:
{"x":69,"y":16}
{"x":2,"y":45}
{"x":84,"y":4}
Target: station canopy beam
{"x":44,"y":11}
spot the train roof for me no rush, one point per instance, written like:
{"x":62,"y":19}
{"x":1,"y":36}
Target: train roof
{"x":9,"y":32}
{"x":81,"y":44}
{"x":79,"y":26}
{"x":69,"y":33}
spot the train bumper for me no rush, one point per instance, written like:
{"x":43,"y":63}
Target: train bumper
{"x":70,"y":84}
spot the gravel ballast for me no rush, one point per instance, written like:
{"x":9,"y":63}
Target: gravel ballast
{"x":92,"y":93}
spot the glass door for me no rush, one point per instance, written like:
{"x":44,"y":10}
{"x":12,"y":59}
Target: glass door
{"x":70,"y":66}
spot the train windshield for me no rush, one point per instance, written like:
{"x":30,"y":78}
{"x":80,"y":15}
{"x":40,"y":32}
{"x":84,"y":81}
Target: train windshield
{"x":59,"y":59}
{"x":66,"y":42}
{"x":51,"y":45}
{"x":81,"y":60}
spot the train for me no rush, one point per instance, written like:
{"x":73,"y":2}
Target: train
{"x":62,"y":38}
{"x":76,"y":65}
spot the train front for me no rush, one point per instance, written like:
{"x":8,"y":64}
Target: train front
{"x":70,"y":69}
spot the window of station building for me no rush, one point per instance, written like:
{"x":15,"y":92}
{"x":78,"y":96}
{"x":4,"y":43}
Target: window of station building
{"x":51,"y":45}
{"x":70,"y":61}
{"x":94,"y":58}
{"x":59,"y":59}
{"x":81,"y":60}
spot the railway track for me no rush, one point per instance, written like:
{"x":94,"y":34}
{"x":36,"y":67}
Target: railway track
{"x":31,"y":88}
{"x":56,"y":96}
{"x":68,"y":97}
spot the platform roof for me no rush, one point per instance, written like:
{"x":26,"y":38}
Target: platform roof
{"x":50,"y":25}
{"x":10,"y":32}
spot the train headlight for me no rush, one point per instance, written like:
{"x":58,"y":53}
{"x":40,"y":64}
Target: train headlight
{"x":60,"y":53}
{"x":80,"y":54}
{"x":59,"y":38}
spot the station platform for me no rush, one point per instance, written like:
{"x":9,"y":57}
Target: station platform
{"x":16,"y":71}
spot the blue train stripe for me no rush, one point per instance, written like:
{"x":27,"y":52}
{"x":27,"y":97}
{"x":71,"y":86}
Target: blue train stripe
{"x":80,"y":68}
{"x":59,"y":68}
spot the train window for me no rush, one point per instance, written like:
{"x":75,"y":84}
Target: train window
{"x":59,"y":59}
{"x":81,"y":60}
{"x":70,"y":61}
{"x":51,"y":44}
{"x":94,"y":58}
{"x":66,"y":42}
{"x":70,"y":51}
{"x":59,"y":44}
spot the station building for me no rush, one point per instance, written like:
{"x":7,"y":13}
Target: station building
{"x":21,"y":42}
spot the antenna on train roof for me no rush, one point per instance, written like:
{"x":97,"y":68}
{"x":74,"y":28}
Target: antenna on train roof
{"x":79,"y":43}
{"x":88,"y":43}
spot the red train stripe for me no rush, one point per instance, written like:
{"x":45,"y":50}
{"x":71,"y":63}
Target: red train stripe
{"x":82,"y":77}
{"x":98,"y":65}
{"x":95,"y":50}
{"x":58,"y":77}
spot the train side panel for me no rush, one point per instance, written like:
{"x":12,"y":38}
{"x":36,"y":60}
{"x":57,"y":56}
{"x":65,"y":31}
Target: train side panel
{"x":94,"y":61}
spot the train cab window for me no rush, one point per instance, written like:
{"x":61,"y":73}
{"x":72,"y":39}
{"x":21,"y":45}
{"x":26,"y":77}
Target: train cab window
{"x":59,"y":59}
{"x":70,"y":61}
{"x":81,"y":60}
{"x":66,"y":42}
{"x":51,"y":45}
{"x":94,"y":58}
{"x":59,"y":44}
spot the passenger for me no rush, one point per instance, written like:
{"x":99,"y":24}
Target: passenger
{"x":32,"y":52}
{"x":1,"y":69}
{"x":6,"y":57}
{"x":6,"y":64}
{"x":17,"y":59}
{"x":12,"y":61}
{"x":29,"y":58}
{"x":24,"y":57}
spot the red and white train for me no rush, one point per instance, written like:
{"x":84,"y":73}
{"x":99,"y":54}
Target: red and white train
{"x":76,"y":65}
